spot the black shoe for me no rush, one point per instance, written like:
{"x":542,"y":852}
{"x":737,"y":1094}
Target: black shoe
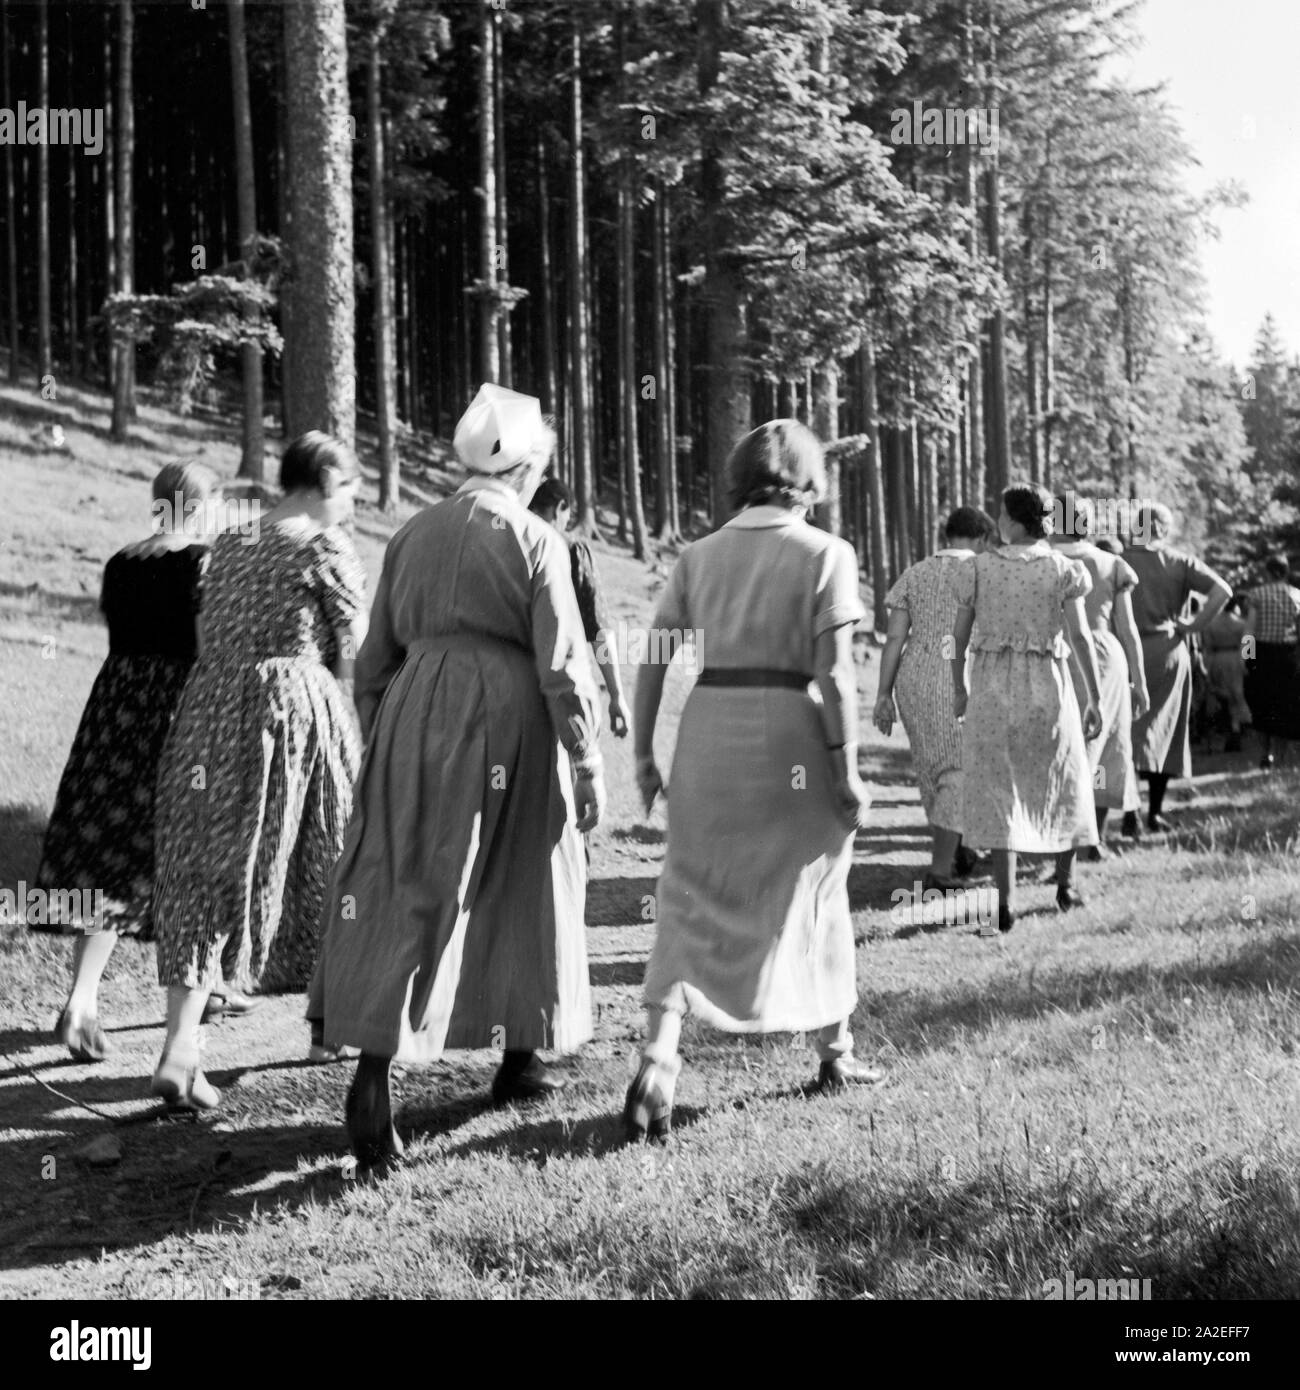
{"x":1067,"y":898}
{"x":369,"y":1115}
{"x":648,"y":1109}
{"x":1093,"y":854}
{"x":86,"y":1042}
{"x":1129,"y":826}
{"x":843,"y":1072}
{"x":964,"y":862}
{"x":1006,"y":918}
{"x":1158,"y":825}
{"x":519,"y":1080}
{"x":228,"y":1003}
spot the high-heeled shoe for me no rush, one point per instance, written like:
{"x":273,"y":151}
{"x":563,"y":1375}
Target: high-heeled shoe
{"x":368,"y":1113}
{"x":648,"y":1110}
{"x":842,"y":1072}
{"x":228,"y":1003}
{"x":85,"y":1040}
{"x":1067,"y":897}
{"x":183,"y":1086}
{"x":523,"y":1076}
{"x":318,"y":1051}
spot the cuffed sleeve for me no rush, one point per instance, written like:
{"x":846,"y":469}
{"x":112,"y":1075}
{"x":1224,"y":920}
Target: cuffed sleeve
{"x":897,"y":597}
{"x":837,"y":602}
{"x":1076,"y":582}
{"x":962,"y":582}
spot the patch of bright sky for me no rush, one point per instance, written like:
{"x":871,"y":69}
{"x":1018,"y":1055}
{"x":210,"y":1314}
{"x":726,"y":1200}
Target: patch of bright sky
{"x":1232,"y":74}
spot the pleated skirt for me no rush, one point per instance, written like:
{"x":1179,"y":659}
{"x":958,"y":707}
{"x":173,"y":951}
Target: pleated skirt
{"x":754,"y":931}
{"x":454,"y":918}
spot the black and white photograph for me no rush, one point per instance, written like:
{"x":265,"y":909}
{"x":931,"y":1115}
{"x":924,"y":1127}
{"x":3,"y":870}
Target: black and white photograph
{"x":649,"y":651}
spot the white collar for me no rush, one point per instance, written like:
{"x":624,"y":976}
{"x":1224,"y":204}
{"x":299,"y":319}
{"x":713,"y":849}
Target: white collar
{"x":953,"y":550}
{"x":1024,"y":550}
{"x":485,"y":482}
{"x":752,"y":518}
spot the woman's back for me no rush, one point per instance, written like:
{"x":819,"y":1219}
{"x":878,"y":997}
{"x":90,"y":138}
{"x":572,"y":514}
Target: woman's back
{"x":761,"y":589}
{"x":150,"y":599}
{"x":1018,"y":594}
{"x":278,"y":597}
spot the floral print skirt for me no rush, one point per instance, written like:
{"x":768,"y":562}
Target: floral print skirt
{"x":101,"y":831}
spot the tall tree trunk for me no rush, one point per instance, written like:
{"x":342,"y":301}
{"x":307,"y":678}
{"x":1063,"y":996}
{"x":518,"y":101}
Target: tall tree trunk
{"x":1031,"y":349}
{"x":74,"y":275}
{"x":974,"y":377}
{"x":44,"y":351}
{"x":252,"y":447}
{"x":385,"y":348}
{"x":11,"y":228}
{"x":503,"y":229}
{"x":323,"y":318}
{"x":124,"y":352}
{"x":729,"y":411}
{"x":579,"y":312}
{"x":1049,"y":326}
{"x":665,"y":289}
{"x":999,"y":425}
{"x":550,"y":387}
{"x":896,"y":465}
{"x":826,"y":426}
{"x":627,"y":372}
{"x":489,"y":320}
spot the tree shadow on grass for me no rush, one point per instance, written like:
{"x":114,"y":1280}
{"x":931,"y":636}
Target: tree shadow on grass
{"x":619,"y":902}
{"x":1224,"y":1247}
{"x":542,"y":1140}
{"x":22,"y":832}
{"x":919,"y":1022}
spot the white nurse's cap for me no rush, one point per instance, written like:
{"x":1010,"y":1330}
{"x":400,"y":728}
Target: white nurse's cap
{"x":500,"y":429}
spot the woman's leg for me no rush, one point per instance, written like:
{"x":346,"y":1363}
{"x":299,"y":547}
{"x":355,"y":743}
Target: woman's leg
{"x":664,"y":1031}
{"x":1065,"y":869}
{"x":944,"y":853}
{"x":369,"y":1113}
{"x":1157,"y":783}
{"x":179,"y":1078}
{"x":1004,"y":876}
{"x":89,"y":957}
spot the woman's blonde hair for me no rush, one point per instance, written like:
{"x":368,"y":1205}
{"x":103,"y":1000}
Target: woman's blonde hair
{"x":779,"y":461}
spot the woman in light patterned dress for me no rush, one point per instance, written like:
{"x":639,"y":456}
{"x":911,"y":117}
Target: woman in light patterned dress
{"x":1026,"y":785}
{"x":255,"y":783}
{"x":1109,"y":610}
{"x":914,"y":663}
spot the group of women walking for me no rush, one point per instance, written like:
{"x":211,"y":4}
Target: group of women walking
{"x":1070,"y":678}
{"x":429,"y":894}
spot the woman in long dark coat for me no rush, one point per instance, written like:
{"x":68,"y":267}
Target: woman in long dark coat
{"x":455,"y":917}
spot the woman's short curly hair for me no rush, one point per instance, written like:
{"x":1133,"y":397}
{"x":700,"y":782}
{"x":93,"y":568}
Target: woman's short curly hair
{"x":781,"y":461}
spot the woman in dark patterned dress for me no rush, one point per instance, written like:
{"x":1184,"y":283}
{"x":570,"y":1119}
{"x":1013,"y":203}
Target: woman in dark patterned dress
{"x":100,"y":835}
{"x":255,"y":786}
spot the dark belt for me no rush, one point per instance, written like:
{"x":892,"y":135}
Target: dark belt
{"x":753,"y":676}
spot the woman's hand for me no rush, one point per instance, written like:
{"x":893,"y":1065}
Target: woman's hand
{"x":589,"y":799}
{"x":1091,"y":721}
{"x":852,"y":799}
{"x":1186,"y":627}
{"x":884,"y":714}
{"x":1141,"y":701}
{"x":959,"y":697}
{"x":650,"y":783}
{"x":617,"y":717}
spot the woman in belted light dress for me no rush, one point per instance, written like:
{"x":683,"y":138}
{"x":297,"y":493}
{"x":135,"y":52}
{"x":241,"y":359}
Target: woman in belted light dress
{"x":754,"y":933}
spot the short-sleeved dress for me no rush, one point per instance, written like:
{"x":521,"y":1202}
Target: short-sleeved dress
{"x":1166,"y":580}
{"x":1026,"y":781}
{"x":455,"y":915}
{"x":924,"y":685}
{"x":754,"y":932}
{"x":255,"y":784}
{"x":1114,"y":783}
{"x":586,"y":586}
{"x":101,"y":831}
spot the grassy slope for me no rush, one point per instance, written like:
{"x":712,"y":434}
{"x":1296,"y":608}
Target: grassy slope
{"x":1113,"y":1094}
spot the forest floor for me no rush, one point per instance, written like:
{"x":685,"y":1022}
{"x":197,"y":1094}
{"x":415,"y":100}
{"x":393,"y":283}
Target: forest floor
{"x":1111,"y":1094}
